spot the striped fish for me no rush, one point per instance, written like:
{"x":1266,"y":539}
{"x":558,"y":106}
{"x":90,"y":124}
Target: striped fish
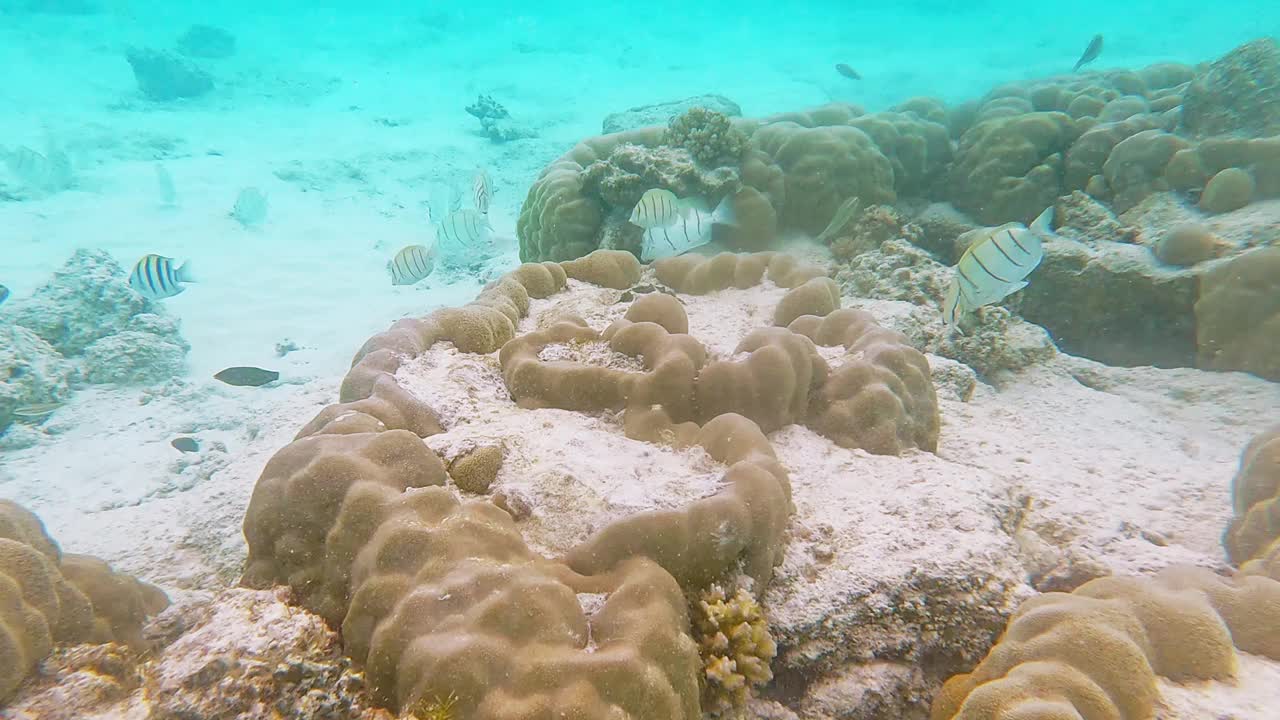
{"x":412,"y":264}
{"x":691,"y":229}
{"x":480,"y":191}
{"x":465,"y":229}
{"x":657,"y":208}
{"x":4,"y":294}
{"x":156,"y":277}
{"x":444,"y":199}
{"x":995,"y":267}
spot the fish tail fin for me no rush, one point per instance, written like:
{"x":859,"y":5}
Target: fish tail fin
{"x":186,"y":273}
{"x":1043,"y":224}
{"x":724,"y":213}
{"x":951,"y":309}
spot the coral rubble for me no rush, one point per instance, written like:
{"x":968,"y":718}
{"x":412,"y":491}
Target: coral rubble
{"x":495,"y":122}
{"x":84,"y":325}
{"x":165,"y":77}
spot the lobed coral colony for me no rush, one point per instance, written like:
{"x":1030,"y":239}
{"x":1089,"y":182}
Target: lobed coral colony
{"x":400,"y":515}
{"x":1113,"y":151}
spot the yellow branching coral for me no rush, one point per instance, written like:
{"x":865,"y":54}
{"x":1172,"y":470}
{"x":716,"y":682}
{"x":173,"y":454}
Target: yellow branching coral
{"x":436,"y":709}
{"x":736,"y":647}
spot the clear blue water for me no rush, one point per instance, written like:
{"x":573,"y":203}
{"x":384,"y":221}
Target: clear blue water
{"x":350,"y":119}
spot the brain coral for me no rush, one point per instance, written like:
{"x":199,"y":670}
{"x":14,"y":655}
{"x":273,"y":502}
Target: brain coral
{"x":824,"y":166}
{"x":1096,"y":652}
{"x":699,"y":275}
{"x":795,"y":171}
{"x":741,"y":525}
{"x":1229,"y":189}
{"x":1238,"y":315}
{"x":918,"y":149}
{"x":1010,"y":168}
{"x":1254,"y":531}
{"x":881,"y":398}
{"x":47,"y":597}
{"x":1136,"y":166}
{"x":440,"y":600}
{"x":1237,"y":94}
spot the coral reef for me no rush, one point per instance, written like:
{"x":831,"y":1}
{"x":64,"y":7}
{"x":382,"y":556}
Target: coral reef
{"x":48,"y":597}
{"x":630,"y":169}
{"x":86,"y":300}
{"x":496,"y":123}
{"x":817,"y":158}
{"x":1237,"y":94}
{"x":134,"y":356}
{"x":165,"y":77}
{"x":1229,"y":189}
{"x":243,"y":654}
{"x":1009,"y":168}
{"x":1252,"y":538}
{"x":1237,"y":316}
{"x":662,"y":113}
{"x":707,"y":135}
{"x":31,"y":372}
{"x":1112,"y":301}
{"x":1096,"y":652}
{"x":881,"y":398}
{"x":86,"y":325}
{"x":1187,"y":245}
{"x":355,"y":515}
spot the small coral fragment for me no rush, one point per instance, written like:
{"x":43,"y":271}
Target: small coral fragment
{"x":708,"y":135}
{"x":736,"y":647}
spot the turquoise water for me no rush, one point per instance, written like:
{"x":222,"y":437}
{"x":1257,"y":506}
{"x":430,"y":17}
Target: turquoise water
{"x":349,"y":120}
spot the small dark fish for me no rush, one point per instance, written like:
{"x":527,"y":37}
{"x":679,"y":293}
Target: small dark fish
{"x":848,"y":72}
{"x":247,"y":376}
{"x":1091,"y":53}
{"x":185,"y":444}
{"x":4,"y":293}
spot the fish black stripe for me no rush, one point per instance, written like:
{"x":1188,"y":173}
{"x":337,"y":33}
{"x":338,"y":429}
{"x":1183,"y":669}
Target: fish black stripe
{"x":668,"y":238}
{"x":966,"y":277}
{"x":150,"y":269}
{"x":162,"y":270}
{"x":987,"y":270}
{"x":1014,"y":238}
{"x":167,"y":278}
{"x":1006,"y":255}
{"x":420,"y":261}
{"x":411,"y":261}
